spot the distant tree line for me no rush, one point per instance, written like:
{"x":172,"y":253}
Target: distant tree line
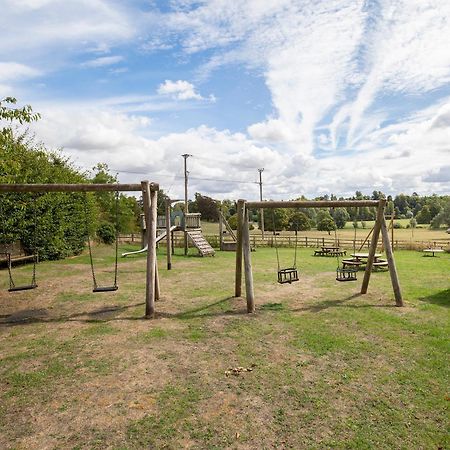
{"x":433,"y":210}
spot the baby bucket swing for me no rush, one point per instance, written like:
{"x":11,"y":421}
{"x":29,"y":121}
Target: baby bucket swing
{"x":287,"y":274}
{"x":345,"y":274}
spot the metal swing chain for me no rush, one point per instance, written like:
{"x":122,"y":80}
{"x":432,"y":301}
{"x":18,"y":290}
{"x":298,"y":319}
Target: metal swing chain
{"x":275,"y":240}
{"x":35,"y":253}
{"x":296,"y":241}
{"x":117,"y":239}
{"x":89,"y":240}
{"x":337,"y":253}
{"x":7,"y":252}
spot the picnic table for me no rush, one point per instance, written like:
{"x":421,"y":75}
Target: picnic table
{"x":330,"y":251}
{"x":360,"y":260}
{"x":365,"y":255}
{"x":427,"y":251}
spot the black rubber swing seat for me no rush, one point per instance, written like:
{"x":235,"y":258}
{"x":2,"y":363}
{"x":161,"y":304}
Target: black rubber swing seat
{"x":346,"y":274}
{"x":25,"y":287}
{"x":288,"y":275}
{"x":105,"y":288}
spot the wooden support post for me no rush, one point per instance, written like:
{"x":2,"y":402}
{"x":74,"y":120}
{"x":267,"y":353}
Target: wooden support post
{"x":186,"y":244}
{"x":249,"y":293}
{"x":220,"y":231}
{"x":168,"y":236}
{"x":143,"y":230}
{"x":150,"y":210}
{"x":373,"y":245}
{"x":157,"y":287}
{"x":238,"y":273}
{"x":391,"y":263}
{"x":392,"y":231}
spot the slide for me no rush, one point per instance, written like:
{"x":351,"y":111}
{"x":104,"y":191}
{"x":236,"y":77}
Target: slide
{"x":143,"y":250}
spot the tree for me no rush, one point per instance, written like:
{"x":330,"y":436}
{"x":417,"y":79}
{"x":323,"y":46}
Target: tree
{"x":340,"y":216}
{"x":443,"y":217}
{"x":326,"y":224}
{"x":60,"y":217}
{"x":299,"y":221}
{"x":127,"y":208}
{"x":278,"y":218}
{"x":324,"y":221}
{"x":11,"y":114}
{"x":208,"y":207}
{"x":424,"y":215}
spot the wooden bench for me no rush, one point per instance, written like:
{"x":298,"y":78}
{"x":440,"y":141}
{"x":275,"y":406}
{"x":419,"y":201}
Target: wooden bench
{"x":351,"y":262}
{"x":337,"y":253}
{"x":380,"y":264}
{"x":12,"y":253}
{"x":427,"y":251}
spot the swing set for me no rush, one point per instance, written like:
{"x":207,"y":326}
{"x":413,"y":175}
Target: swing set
{"x":290,"y":274}
{"x":149,"y":194}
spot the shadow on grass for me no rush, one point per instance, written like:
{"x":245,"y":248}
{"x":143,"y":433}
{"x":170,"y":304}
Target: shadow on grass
{"x":441,"y":298}
{"x":41,"y":315}
{"x":341,"y":303}
{"x":110,"y":313}
{"x":205,"y":310}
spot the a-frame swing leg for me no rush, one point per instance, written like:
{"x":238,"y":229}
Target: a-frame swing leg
{"x":150,"y":210}
{"x":380,"y":226}
{"x":373,"y":245}
{"x":391,"y":264}
{"x":249,"y":292}
{"x":238,"y":270}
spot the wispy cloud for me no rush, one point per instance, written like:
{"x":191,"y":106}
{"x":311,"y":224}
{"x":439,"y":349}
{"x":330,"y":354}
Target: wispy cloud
{"x":12,"y":71}
{"x":103,"y":61}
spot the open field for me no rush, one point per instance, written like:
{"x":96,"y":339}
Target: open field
{"x":329,"y":368}
{"x":423,"y":233}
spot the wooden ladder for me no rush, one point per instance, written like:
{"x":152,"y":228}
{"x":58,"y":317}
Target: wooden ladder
{"x":201,"y":243}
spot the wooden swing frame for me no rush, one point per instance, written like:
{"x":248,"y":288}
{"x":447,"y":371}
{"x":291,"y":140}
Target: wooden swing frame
{"x":150,"y":196}
{"x":243,"y":254}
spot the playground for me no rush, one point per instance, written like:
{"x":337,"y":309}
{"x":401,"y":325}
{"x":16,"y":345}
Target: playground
{"x":317,"y":366}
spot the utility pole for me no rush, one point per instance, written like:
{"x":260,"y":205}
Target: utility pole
{"x":186,"y":207}
{"x":261,"y":211}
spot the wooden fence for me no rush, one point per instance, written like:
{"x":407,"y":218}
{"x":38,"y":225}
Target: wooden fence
{"x":303,"y":241}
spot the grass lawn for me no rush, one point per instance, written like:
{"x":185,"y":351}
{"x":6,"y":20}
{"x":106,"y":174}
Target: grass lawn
{"x":325,"y":367}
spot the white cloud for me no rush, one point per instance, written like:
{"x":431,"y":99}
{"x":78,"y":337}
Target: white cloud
{"x":180,"y":89}
{"x":103,"y":61}
{"x":327,"y":65}
{"x":12,"y":71}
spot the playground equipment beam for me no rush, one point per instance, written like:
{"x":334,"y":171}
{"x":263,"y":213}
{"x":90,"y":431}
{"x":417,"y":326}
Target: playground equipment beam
{"x":149,"y":192}
{"x":313,"y":204}
{"x":243,"y":242}
{"x":83,"y":187}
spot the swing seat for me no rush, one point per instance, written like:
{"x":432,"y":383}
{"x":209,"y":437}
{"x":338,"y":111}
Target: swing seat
{"x":25,"y":287}
{"x":346,"y":274}
{"x":105,"y":288}
{"x":288,"y":275}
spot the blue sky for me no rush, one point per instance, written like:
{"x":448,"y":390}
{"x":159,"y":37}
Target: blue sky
{"x":328,"y":96}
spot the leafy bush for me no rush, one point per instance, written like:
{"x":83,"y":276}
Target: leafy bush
{"x":232,"y":221}
{"x":106,"y":233}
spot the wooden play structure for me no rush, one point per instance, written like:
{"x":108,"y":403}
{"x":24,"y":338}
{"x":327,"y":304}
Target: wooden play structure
{"x":227,"y":237}
{"x":243,"y":253}
{"x":149,"y":194}
{"x":172,"y":222}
